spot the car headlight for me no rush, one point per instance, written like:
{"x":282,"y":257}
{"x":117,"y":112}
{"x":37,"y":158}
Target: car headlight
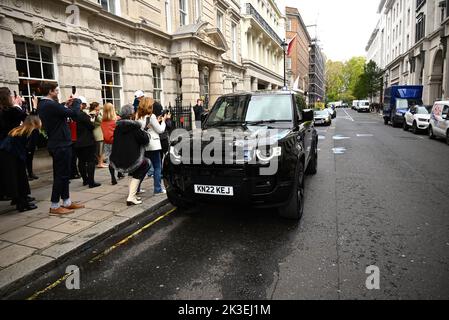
{"x":263,"y":156}
{"x":399,"y":114}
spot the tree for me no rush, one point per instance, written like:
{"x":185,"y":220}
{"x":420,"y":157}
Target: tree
{"x":369,"y":83}
{"x":354,"y":68}
{"x":301,"y":102}
{"x":335,"y":80}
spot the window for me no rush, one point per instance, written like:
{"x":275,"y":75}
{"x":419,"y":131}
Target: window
{"x":157,"y":83}
{"x":110,"y":81}
{"x":219,"y":20}
{"x":111,"y":6}
{"x":198,"y":9}
{"x":168,"y":20}
{"x":419,"y":4}
{"x":35,"y":64}
{"x":420,"y":27}
{"x":183,"y":17}
{"x":289,"y":25}
{"x":234,"y":41}
{"x":288,"y":63}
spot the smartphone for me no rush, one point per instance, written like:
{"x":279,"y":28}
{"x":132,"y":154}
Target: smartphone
{"x":73,"y":90}
{"x":15,"y":94}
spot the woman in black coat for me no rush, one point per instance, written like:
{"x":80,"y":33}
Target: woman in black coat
{"x":128,"y":152}
{"x":13,"y":154}
{"x":10,"y":118}
{"x":86,"y":148}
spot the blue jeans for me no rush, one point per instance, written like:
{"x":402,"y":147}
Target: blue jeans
{"x":155,"y":157}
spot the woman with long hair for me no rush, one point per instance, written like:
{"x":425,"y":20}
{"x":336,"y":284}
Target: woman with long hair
{"x":10,"y":117}
{"x":14,"y":155}
{"x":154,"y":126}
{"x":96,"y":113}
{"x":108,"y":126}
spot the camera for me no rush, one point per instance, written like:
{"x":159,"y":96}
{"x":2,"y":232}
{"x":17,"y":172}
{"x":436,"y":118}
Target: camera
{"x":165,"y":112}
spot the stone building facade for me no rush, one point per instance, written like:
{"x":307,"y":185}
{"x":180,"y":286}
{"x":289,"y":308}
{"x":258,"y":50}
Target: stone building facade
{"x":298,"y":62}
{"x":410,"y":43}
{"x":109,"y":49}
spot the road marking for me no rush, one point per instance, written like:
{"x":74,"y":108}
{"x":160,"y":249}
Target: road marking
{"x":105,"y":253}
{"x":350,"y":118}
{"x":365,"y":135}
{"x":340,"y":137}
{"x":339,"y":150}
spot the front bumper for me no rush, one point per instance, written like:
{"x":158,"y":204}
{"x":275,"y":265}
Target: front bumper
{"x":250,"y":189}
{"x":423,"y":125}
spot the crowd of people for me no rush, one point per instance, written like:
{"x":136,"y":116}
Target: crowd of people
{"x":82,"y":137}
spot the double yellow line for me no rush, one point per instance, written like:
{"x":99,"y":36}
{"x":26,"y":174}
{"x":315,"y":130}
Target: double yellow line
{"x":102,"y":255}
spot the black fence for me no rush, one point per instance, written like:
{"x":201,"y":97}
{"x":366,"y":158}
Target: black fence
{"x":181,"y":115}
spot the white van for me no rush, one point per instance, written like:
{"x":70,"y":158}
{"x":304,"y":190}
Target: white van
{"x":363,"y":106}
{"x":439,"y":121}
{"x":355,"y":104}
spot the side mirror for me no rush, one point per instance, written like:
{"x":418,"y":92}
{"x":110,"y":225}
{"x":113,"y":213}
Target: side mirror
{"x":308,"y":115}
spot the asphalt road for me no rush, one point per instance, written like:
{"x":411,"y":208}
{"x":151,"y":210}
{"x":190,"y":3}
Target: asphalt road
{"x":381,"y":197}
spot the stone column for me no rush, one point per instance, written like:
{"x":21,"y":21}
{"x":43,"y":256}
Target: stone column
{"x":247,"y":83}
{"x":254,"y":85}
{"x":190,"y":81}
{"x":8,"y":72}
{"x":216,"y":83}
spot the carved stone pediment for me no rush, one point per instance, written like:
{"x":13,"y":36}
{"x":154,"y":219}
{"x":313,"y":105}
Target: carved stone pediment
{"x":210,"y":36}
{"x":38,"y":31}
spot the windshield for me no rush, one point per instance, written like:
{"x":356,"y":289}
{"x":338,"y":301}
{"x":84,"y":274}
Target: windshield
{"x":236,"y":110}
{"x":401,"y":104}
{"x":421,"y":110}
{"x":321,"y":113}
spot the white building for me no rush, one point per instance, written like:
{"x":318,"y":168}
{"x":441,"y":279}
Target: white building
{"x":410,"y":43}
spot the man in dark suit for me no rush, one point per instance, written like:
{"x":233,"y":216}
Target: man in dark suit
{"x":54,"y":120}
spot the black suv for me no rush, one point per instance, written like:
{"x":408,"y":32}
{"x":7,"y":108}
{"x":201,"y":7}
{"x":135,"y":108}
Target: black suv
{"x":266,"y":145}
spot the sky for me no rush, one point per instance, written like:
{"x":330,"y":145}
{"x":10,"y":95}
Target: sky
{"x":344,"y":26}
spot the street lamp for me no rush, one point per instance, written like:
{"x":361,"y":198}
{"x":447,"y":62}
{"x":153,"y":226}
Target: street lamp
{"x":284,"y":45}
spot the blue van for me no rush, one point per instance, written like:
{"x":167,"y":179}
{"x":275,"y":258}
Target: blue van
{"x":397,"y":100}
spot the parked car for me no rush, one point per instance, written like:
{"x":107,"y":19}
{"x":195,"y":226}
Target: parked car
{"x":439,"y":121}
{"x":355,"y":104}
{"x":292,"y":144}
{"x":332,"y":112}
{"x":363,"y":106}
{"x":417,"y":118}
{"x":322,"y":117}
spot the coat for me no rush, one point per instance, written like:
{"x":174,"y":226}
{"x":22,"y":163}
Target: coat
{"x":154,"y":129}
{"x":84,"y":131}
{"x":129,"y":146}
{"x":108,"y":128}
{"x":54,"y":121}
{"x":10,"y":118}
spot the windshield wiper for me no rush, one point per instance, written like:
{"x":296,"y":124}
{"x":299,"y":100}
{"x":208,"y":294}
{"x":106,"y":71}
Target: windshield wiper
{"x":223,"y":123}
{"x":256,"y":123}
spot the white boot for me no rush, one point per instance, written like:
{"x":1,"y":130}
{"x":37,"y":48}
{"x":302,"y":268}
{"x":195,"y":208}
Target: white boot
{"x":132,"y":199}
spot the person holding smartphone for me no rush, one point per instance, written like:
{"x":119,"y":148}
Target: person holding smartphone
{"x":54,"y":120}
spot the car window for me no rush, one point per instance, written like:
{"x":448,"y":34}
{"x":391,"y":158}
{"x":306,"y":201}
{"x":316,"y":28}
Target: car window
{"x":228,"y":109}
{"x":445,"y":111}
{"x":421,"y":110}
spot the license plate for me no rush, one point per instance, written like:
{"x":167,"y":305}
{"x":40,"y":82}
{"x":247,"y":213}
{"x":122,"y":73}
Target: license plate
{"x":319,"y":121}
{"x":214,"y":190}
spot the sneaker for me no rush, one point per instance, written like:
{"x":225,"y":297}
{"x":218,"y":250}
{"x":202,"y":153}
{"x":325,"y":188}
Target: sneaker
{"x":141,"y":191}
{"x":61,"y":211}
{"x":162,"y":192}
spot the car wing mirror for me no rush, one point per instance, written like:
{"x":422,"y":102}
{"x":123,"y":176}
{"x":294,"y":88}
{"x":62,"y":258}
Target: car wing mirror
{"x":308,"y":116}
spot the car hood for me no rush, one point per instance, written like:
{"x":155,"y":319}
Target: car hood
{"x":422,"y":116}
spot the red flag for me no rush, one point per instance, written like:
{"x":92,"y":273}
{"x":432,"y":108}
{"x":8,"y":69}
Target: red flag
{"x":290,"y":45}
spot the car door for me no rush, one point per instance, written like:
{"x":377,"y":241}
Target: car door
{"x":305,"y":131}
{"x":409,"y":116}
{"x":443,"y":124}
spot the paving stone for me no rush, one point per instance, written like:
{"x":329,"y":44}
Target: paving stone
{"x":4,"y":244}
{"x":15,"y":220}
{"x":96,"y":215}
{"x":115,"y":206}
{"x":97,"y":204}
{"x":22,"y":269}
{"x":72,"y":226}
{"x":44,"y":239}
{"x":14,"y":253}
{"x":117,"y":197}
{"x":19,"y":234}
{"x":49,"y":222}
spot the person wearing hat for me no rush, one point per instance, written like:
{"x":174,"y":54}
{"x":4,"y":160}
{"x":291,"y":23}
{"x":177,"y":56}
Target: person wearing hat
{"x":138,"y":96}
{"x":128,"y":151}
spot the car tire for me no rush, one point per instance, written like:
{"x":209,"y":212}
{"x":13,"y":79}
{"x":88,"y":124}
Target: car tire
{"x":405,"y":127}
{"x":386,"y":121}
{"x":431,"y":135}
{"x":312,"y":169}
{"x":447,"y":137}
{"x":393,"y":123}
{"x":415,"y":128}
{"x":179,"y":203}
{"x":295,"y":207}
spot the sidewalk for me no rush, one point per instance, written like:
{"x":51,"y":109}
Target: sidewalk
{"x":34,"y":241}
